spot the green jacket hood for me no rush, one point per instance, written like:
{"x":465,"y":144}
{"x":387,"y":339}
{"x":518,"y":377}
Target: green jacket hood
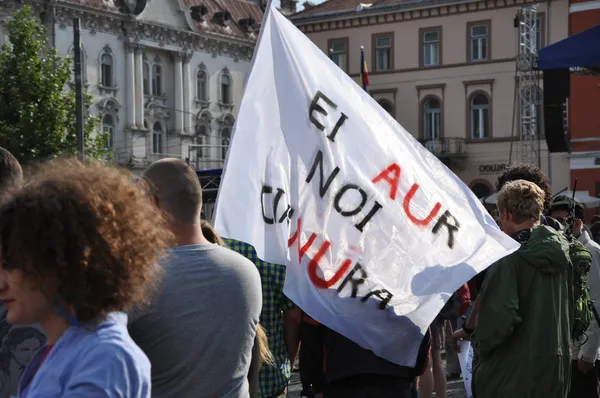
{"x":547,"y":250}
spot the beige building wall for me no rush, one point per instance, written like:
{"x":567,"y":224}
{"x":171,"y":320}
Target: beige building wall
{"x":408,"y":84}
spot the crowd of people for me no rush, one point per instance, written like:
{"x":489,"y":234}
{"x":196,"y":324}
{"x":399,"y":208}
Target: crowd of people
{"x":113,"y":286}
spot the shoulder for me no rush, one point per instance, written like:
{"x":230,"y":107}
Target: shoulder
{"x":111,"y":345}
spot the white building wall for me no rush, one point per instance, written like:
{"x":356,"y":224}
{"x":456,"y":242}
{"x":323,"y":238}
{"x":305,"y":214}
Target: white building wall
{"x":136,"y":145}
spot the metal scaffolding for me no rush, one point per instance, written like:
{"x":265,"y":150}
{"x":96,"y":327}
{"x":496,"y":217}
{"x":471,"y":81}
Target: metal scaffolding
{"x":528,"y":83}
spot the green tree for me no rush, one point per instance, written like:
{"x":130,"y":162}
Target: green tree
{"x":37,"y":114}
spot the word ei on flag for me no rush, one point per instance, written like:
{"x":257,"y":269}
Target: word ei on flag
{"x":376,"y":233}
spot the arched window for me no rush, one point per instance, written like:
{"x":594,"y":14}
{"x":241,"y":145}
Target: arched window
{"x":106,"y":66}
{"x":108,"y":128}
{"x":201,"y":134}
{"x":481,"y":189}
{"x":157,"y":139}
{"x":480,"y":116}
{"x":225,"y":139}
{"x":202,"y":84}
{"x":387,"y":105}
{"x":146,"y":73}
{"x":226,"y":88}
{"x":432,"y":114}
{"x":201,"y":138}
{"x":157,"y":80}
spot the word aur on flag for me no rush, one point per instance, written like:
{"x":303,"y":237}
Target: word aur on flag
{"x":375,"y":231}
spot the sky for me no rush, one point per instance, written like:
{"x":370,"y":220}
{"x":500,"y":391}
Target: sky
{"x":299,"y":3}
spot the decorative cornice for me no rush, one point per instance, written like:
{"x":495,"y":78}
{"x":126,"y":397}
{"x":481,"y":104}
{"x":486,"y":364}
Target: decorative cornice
{"x":129,"y":30}
{"x":347,"y":19}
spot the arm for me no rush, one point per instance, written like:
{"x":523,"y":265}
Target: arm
{"x":589,"y":350}
{"x":472,"y":321}
{"x":498,"y":315}
{"x":292,"y":319}
{"x":461,"y":334}
{"x":108,"y":370}
{"x":254,"y":370}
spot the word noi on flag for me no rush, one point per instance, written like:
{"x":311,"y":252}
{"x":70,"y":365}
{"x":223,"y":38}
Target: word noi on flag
{"x":375,"y":232}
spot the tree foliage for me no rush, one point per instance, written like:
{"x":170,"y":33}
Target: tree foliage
{"x":37,"y":114}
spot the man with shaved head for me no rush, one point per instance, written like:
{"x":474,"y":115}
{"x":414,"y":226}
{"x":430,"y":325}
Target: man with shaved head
{"x":199,"y":330}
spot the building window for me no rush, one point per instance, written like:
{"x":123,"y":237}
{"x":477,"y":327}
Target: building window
{"x":225,"y":88}
{"x":225,"y":138}
{"x":387,"y":105}
{"x":202,"y":85}
{"x":338,"y":52}
{"x":480,"y":116}
{"x":479,"y":41}
{"x":146,"y":69}
{"x":540,"y":33}
{"x":106,"y":65}
{"x":157,"y":139}
{"x":431,"y":47}
{"x":157,"y":80}
{"x":201,"y":132}
{"x":383,"y":51}
{"x":432,"y":114}
{"x":108,"y":129}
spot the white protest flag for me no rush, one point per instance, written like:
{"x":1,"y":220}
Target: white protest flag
{"x":375,"y":231}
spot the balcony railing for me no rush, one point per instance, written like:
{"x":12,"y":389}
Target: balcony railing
{"x":447,"y":147}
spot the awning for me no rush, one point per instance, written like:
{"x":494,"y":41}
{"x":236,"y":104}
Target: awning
{"x":583,"y":197}
{"x":581,"y":50}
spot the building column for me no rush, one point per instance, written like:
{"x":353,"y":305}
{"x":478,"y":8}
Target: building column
{"x":139,"y":87}
{"x":130,"y":86}
{"x":179,"y":112}
{"x":187,"y":86}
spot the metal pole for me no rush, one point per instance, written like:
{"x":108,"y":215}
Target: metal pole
{"x":78,"y":87}
{"x":548,"y":42}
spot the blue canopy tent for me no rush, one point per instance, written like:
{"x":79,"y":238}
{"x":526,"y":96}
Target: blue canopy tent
{"x":579,"y":51}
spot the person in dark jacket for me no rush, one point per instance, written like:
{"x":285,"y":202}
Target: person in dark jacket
{"x":339,"y":368}
{"x":527,"y":172}
{"x":522,"y":341}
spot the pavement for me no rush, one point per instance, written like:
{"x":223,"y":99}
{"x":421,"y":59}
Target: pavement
{"x":454,"y":388}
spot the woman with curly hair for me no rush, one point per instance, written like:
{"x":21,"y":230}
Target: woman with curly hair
{"x":80,"y":246}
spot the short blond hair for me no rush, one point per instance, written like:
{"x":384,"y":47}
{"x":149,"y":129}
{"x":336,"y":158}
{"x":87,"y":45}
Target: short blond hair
{"x":522,"y":199}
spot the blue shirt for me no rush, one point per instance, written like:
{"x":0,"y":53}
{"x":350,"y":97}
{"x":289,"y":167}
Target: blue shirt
{"x":98,"y":361}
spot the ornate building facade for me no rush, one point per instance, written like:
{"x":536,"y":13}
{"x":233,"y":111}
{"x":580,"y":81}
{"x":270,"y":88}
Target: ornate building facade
{"x":166,"y":76}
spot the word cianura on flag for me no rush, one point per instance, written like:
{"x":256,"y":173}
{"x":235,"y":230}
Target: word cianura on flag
{"x":376,"y":233}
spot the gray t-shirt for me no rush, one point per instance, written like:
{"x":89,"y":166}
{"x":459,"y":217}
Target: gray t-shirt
{"x":199,"y":330}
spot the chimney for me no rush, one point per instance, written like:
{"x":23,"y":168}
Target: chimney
{"x":308,"y":5}
{"x":288,"y":7}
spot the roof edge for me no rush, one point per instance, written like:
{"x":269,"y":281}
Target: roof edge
{"x":300,"y":19}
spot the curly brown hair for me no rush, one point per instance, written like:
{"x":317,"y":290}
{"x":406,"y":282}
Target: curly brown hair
{"x":92,"y":228}
{"x":527,"y":172}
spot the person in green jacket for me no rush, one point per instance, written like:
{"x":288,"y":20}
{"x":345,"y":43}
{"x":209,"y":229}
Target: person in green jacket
{"x":522,"y":341}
